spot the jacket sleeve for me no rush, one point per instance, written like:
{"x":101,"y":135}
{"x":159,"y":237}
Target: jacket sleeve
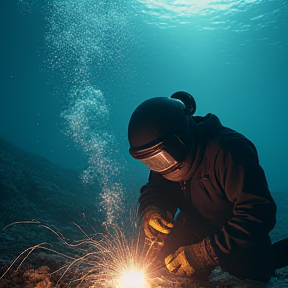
{"x":244,"y":182}
{"x":159,"y":193}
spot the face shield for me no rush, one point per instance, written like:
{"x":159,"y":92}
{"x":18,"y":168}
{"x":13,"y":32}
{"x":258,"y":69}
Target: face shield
{"x":160,"y":162}
{"x":162,"y":157}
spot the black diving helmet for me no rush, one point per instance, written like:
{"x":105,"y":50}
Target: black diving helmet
{"x":158,"y":131}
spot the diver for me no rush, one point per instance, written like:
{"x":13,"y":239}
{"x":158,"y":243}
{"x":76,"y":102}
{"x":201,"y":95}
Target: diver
{"x":207,"y":201}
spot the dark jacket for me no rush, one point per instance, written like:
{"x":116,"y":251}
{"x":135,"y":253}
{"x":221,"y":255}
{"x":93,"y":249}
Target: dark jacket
{"x":226,"y":197}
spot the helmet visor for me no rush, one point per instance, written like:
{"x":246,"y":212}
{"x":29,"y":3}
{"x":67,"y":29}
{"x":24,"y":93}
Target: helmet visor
{"x":160,"y":162}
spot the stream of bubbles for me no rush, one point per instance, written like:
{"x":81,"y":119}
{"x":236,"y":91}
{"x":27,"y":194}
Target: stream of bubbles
{"x":80,"y":34}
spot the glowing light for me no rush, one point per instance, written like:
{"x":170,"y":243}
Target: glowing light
{"x":171,"y":13}
{"x":115,"y":259}
{"x":133,"y":279}
{"x":188,"y":7}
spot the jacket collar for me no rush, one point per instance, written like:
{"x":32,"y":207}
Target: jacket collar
{"x":206,"y":128}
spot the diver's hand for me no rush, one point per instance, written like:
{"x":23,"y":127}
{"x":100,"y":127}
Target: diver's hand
{"x":189,"y":259}
{"x":156,"y":221}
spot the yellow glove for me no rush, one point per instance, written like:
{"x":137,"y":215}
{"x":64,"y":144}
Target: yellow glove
{"x":189,"y":259}
{"x":155,"y":222}
{"x":178,"y":264}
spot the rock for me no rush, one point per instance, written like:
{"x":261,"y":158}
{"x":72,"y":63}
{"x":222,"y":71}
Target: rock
{"x":34,"y":188}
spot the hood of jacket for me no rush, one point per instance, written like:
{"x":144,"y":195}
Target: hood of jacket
{"x":205,"y":129}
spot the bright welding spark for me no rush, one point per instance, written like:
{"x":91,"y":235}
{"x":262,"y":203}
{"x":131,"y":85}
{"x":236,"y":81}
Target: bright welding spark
{"x":133,"y":279}
{"x":112,"y":259}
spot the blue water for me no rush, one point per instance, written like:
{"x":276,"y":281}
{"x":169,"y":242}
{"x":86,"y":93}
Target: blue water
{"x":231,"y":55}
{"x":72,"y":72}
